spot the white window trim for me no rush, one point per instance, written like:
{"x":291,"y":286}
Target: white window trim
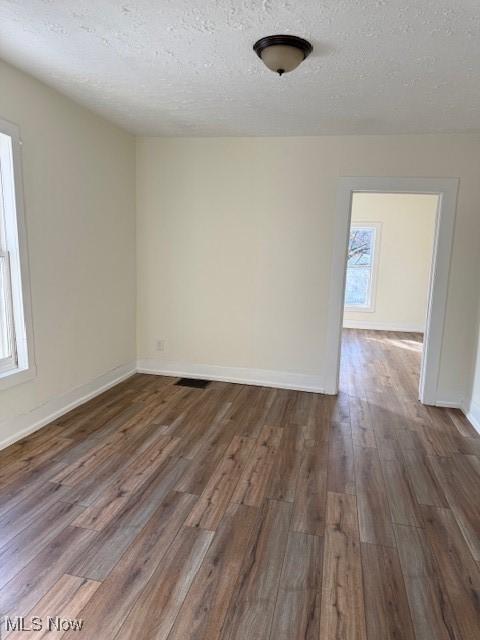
{"x":7,"y":364}
{"x":18,"y":255}
{"x":372,"y":298}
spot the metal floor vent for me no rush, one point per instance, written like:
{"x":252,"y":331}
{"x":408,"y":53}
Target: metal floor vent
{"x":193,"y":382}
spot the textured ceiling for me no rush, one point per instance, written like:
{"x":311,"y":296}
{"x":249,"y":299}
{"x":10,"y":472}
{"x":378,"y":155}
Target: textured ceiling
{"x":186,"y":67}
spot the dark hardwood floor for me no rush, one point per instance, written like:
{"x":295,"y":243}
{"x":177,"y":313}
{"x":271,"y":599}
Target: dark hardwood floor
{"x":246,"y":513}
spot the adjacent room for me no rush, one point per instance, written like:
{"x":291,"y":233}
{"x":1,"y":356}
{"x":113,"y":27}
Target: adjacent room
{"x":239,"y":320}
{"x":389,"y":277}
{"x":389,"y":261}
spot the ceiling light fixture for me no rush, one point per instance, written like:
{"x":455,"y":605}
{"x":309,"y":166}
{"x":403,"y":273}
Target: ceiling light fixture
{"x":282,"y":53}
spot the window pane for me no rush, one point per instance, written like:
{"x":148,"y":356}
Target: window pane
{"x":3,"y":241}
{"x":360,"y":247}
{"x":357,"y":287}
{"x":6,"y":350}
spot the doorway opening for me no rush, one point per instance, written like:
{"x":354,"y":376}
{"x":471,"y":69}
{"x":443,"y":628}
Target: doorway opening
{"x":389,"y":258}
{"x":390,"y":267}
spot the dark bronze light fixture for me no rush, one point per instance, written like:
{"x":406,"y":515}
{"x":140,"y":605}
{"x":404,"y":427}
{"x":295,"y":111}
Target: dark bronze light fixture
{"x":282,"y":53}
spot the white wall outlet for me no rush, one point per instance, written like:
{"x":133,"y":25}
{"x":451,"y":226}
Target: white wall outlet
{"x":160,"y":345}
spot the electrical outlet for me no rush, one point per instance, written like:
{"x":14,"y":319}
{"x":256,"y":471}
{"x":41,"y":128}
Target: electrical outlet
{"x":160,"y":345}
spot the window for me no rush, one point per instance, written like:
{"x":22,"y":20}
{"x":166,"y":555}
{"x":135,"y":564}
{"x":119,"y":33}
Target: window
{"x":16,"y":348}
{"x":361,"y":266}
{"x":8,"y":355}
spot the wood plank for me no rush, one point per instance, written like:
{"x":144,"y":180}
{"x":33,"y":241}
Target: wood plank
{"x":30,"y":459}
{"x":30,"y":584}
{"x":423,"y":480}
{"x":385,"y":410}
{"x":401,"y":497}
{"x":21,"y":549}
{"x":459,"y":477}
{"x":176,"y":408}
{"x":27,"y":484}
{"x":386,"y":605}
{"x":297,"y":611}
{"x":311,"y":492}
{"x":254,"y":482}
{"x":29,"y":510}
{"x":22,"y":453}
{"x":215,"y":442}
{"x":260,"y":462}
{"x":93,"y":423}
{"x":302,"y":407}
{"x":96,"y":426}
{"x":203,"y":612}
{"x":341,"y":474}
{"x":62,"y":603}
{"x":463,"y":426}
{"x":252,"y":606}
{"x":145,"y":419}
{"x":286,"y":465}
{"x":390,"y":442}
{"x":90,"y":486}
{"x":209,"y":408}
{"x":198,"y":440}
{"x":430,"y":607}
{"x":216,"y":496}
{"x":433,"y":443}
{"x":106,"y":612}
{"x":112,"y":541}
{"x":340,"y":407}
{"x":408,"y":441}
{"x":363,"y":434}
{"x":158,"y":604}
{"x":249,"y":410}
{"x":281,"y":407}
{"x":373,"y":509}
{"x":460,"y":576}
{"x":73,"y":474}
{"x":467,"y":446}
{"x":117,"y":494}
{"x":317,"y":427}
{"x":98,"y":406}
{"x":342,"y":608}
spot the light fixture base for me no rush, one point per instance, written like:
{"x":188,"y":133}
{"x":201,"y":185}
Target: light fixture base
{"x":275,"y":50}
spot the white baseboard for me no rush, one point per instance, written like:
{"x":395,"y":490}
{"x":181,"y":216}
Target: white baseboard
{"x":383,"y":326}
{"x":239,"y":375}
{"x":450,"y":404}
{"x":471,"y":411}
{"x":22,"y":425}
{"x":473,"y":415}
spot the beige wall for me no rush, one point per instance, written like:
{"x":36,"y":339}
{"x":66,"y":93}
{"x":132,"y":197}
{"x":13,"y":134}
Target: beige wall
{"x":234,"y":243}
{"x":407,"y":229}
{"x":79,"y":186}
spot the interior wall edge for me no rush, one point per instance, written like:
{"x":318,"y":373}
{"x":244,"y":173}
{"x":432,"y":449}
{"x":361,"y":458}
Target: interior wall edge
{"x":238,"y":375}
{"x":472,"y":412}
{"x":78,"y":182}
{"x":16,"y":428}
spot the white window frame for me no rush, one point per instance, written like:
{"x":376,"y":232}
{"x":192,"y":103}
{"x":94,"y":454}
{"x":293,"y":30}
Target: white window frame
{"x":375,"y":259}
{"x":21,"y":367}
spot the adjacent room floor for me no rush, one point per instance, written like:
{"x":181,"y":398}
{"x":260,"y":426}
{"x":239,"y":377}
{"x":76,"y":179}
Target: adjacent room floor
{"x":247,"y":513}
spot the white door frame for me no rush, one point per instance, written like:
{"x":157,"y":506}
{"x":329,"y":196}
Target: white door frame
{"x":446,"y":189}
